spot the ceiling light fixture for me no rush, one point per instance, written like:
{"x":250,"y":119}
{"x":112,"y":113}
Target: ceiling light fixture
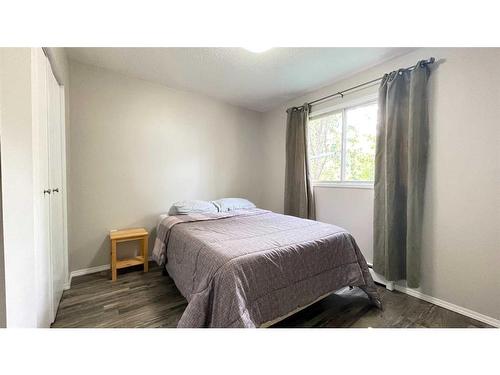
{"x":256,"y":49}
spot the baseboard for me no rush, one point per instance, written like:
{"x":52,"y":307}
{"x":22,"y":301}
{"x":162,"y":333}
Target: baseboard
{"x":450,"y":306}
{"x":438,"y":302}
{"x":85,"y":271}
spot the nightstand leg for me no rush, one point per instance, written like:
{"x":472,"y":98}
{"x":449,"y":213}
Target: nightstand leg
{"x":145,"y":253}
{"x":113,"y":260}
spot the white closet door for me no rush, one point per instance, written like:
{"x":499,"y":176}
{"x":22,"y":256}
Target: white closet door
{"x":55,"y":183}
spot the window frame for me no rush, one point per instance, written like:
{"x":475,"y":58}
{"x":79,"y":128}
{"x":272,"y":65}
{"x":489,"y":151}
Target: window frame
{"x":343,"y":107}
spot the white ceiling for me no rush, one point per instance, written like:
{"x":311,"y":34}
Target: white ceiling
{"x":255,"y":81}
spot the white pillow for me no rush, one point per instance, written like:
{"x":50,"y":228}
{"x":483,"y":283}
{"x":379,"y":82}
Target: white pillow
{"x":231,"y":204}
{"x":193,"y":206}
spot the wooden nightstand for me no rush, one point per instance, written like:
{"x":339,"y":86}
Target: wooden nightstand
{"x":126,"y":235}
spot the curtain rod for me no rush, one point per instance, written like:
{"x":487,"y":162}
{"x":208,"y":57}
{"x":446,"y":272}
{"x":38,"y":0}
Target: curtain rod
{"x":341,"y":93}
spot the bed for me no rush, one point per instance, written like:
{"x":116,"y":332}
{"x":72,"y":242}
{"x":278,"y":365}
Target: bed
{"x":252,"y":267}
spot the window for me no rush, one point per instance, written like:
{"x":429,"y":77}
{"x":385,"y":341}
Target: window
{"x":342,"y":144}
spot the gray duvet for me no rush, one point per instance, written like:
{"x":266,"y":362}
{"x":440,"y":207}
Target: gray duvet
{"x":248,"y":267}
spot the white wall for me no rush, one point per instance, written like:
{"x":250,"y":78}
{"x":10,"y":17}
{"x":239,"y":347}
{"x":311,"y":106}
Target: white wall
{"x":461,"y":247}
{"x":3,"y":321}
{"x":348,"y":208}
{"x":17,"y":187}
{"x":137,"y":147}
{"x":3,"y":316}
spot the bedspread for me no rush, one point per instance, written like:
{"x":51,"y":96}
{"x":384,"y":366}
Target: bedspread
{"x":244,"y":268}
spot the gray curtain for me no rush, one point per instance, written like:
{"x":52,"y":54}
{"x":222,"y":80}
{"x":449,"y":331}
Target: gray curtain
{"x":299,"y":200}
{"x":400,"y":168}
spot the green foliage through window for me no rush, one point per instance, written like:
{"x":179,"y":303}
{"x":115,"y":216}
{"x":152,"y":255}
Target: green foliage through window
{"x":325,"y":147}
{"x":326,"y":159}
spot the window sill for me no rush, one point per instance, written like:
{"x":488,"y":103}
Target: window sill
{"x":344,"y":185}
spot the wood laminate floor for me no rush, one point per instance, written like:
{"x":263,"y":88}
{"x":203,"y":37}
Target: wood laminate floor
{"x":150,"y":299}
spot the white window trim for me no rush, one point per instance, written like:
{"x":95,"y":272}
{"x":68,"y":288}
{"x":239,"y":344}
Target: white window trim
{"x":344,"y":185}
{"x":346,"y":104}
{"x":341,"y":107}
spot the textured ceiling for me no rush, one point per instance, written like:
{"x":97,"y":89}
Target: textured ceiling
{"x":255,"y":81}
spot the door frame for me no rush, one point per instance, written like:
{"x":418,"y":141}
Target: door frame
{"x":35,"y":53}
{"x":37,"y":71}
{"x":67,"y":280}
